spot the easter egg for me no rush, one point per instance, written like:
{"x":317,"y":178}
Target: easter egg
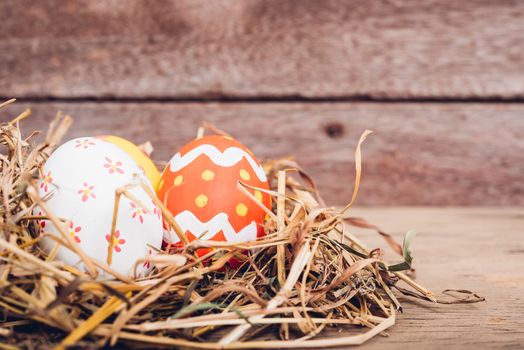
{"x":142,"y":159}
{"x":199,"y":187}
{"x":78,"y":183}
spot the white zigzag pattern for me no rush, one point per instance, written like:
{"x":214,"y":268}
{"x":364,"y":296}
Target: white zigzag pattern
{"x":220,"y":222}
{"x":229,"y":157}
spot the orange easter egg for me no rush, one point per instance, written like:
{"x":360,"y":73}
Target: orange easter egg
{"x":199,"y":187}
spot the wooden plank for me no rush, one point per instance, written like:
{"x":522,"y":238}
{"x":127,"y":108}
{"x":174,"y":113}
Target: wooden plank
{"x":479,"y":249}
{"x":420,"y":154}
{"x":196,"y":48}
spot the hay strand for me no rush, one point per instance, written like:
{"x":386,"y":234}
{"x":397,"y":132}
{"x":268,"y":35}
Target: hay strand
{"x":306,"y":274}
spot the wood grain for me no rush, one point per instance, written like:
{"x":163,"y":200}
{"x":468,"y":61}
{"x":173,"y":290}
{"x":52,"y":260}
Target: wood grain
{"x":258,"y":49}
{"x":420,"y":154}
{"x":477,"y":249}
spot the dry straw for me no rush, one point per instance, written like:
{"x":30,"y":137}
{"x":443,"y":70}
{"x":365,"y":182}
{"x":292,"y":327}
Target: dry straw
{"x":308,"y":273}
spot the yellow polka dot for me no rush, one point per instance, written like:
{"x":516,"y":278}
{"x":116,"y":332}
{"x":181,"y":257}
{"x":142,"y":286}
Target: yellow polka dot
{"x":201,"y":200}
{"x":258,"y":195}
{"x":207,"y":175}
{"x":244,"y":174}
{"x":178,"y":180}
{"x":241,"y":209}
{"x":161,"y":184}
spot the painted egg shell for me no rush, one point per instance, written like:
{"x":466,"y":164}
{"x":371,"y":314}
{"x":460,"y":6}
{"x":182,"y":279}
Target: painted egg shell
{"x":199,"y":187}
{"x":78,"y":183}
{"x":142,"y":159}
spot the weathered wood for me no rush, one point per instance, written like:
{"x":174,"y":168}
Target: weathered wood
{"x":420,"y":154}
{"x":481,"y":250}
{"x":188,"y":48}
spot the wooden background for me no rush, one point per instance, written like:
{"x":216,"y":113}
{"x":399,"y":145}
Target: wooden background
{"x":440,"y":82}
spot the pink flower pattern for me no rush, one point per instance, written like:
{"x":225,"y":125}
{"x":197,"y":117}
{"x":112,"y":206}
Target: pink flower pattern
{"x":156,"y":210}
{"x":138,"y":212}
{"x":114,"y":167}
{"x":84,"y":143}
{"x":87,"y":192}
{"x":117,"y":241}
{"x":147,"y":262}
{"x":47,"y":180}
{"x":41,"y":223}
{"x":73,"y":230}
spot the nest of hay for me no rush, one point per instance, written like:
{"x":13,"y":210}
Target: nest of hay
{"x":308,"y":273}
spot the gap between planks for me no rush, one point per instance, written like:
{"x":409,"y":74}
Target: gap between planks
{"x":268,"y":99}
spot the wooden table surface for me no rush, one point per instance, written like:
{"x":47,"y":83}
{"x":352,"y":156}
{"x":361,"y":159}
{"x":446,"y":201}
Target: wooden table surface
{"x":479,"y":249}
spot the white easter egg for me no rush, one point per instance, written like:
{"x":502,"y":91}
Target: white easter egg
{"x":78,"y":184}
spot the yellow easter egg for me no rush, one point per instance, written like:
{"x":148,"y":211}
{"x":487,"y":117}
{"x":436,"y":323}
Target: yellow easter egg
{"x":152,"y":173}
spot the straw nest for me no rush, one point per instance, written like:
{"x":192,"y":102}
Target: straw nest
{"x":308,"y":273}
